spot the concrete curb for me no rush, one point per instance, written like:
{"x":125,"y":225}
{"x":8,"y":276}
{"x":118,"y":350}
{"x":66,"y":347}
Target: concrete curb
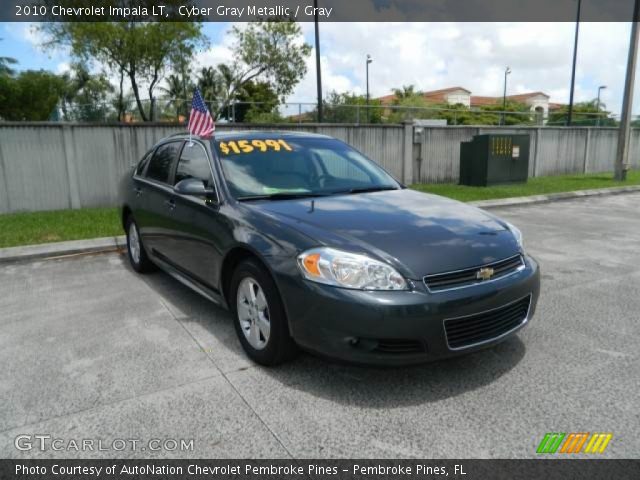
{"x":109,"y":244}
{"x":553,"y":197}
{"x":58,"y":249}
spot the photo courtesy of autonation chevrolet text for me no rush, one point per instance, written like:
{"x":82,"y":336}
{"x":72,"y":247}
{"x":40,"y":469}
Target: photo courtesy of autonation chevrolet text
{"x":280,"y":471}
{"x":318,"y":239}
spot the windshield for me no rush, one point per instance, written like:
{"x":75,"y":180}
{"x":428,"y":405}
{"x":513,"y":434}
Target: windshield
{"x":285,"y":167}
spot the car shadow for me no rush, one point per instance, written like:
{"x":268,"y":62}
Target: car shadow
{"x":392,"y":387}
{"x":370,"y":387}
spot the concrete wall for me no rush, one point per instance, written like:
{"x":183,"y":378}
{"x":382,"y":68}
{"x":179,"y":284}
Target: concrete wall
{"x":50,"y":166}
{"x":553,"y":151}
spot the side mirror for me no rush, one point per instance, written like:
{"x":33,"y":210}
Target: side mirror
{"x":192,"y":186}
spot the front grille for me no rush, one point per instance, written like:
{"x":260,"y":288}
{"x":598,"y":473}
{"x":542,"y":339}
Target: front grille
{"x":483,"y":327}
{"x":399,"y":346}
{"x":469,"y":276}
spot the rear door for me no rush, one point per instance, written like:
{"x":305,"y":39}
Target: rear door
{"x":156,"y":198}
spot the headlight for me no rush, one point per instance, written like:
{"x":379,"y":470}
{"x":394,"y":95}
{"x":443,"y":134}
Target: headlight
{"x":516,"y":233}
{"x":349,"y":270}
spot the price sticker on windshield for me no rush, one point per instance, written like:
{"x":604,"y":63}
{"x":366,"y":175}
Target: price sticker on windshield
{"x":234,"y":147}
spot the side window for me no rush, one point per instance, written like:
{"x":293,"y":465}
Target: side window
{"x":143,"y":163}
{"x":194,"y":163}
{"x":161,"y":162}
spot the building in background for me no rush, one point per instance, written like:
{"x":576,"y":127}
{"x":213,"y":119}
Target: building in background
{"x":537,"y":101}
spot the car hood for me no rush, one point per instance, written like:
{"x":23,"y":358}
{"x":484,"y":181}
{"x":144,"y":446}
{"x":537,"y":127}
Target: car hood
{"x":418,"y":233}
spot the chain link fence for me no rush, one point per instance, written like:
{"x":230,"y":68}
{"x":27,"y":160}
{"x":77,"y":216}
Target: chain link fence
{"x":177,"y":111}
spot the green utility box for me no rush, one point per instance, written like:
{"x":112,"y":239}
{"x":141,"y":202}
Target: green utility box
{"x":492,"y":159}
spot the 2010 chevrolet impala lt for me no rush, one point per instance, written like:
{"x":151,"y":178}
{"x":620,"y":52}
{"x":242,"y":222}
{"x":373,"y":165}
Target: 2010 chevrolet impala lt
{"x":311,"y":245}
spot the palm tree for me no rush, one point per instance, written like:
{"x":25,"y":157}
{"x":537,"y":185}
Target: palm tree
{"x":207,"y":83}
{"x":5,"y":69}
{"x":228,"y":89}
{"x":175,"y":94}
{"x":218,"y":87}
{"x":406,"y":91}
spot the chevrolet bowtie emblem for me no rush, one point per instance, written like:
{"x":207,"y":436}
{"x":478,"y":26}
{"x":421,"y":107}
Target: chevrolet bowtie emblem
{"x":484,"y":273}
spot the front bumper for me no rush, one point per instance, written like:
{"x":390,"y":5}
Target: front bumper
{"x":383,"y":328}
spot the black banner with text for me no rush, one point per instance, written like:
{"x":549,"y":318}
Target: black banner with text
{"x":321,"y":469}
{"x":309,"y":11}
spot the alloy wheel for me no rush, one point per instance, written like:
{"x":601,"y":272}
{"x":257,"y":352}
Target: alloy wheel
{"x":253,"y":313}
{"x":134,"y":243}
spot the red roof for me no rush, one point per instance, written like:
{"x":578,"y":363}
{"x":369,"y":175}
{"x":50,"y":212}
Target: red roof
{"x":521,"y":97}
{"x":477,"y":101}
{"x":435,"y":96}
{"x":440,"y":96}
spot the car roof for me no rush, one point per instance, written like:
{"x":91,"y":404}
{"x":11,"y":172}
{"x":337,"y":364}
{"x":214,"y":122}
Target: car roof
{"x":254,"y":134}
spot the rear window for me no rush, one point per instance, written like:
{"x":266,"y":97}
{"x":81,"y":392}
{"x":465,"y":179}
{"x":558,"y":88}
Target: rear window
{"x":143,"y":163}
{"x":162,"y":161}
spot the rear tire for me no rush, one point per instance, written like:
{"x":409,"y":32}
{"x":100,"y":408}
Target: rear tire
{"x":259,"y":316}
{"x":135,"y":250}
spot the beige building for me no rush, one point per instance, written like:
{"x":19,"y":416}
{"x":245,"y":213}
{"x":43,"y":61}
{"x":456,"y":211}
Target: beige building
{"x":537,"y":101}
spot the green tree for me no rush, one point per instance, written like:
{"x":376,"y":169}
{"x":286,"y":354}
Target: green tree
{"x":208,"y":83}
{"x":85,"y":96}
{"x":5,"y":69}
{"x":351,"y":108}
{"x":415,"y":106}
{"x":31,"y":95}
{"x":256,"y":103}
{"x":218,"y":88}
{"x":409,"y":107}
{"x":584,"y":114}
{"x":177,"y":91}
{"x":140,"y":51}
{"x":268,"y":51}
{"x":519,"y":114}
{"x":407,"y":91}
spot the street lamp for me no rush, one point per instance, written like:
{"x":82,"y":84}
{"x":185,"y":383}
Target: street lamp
{"x":600,"y":88}
{"x":573,"y":69}
{"x":369,"y":60}
{"x":318,"y":71}
{"x":507,"y":71}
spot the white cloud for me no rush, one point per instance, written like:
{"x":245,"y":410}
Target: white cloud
{"x":63,"y":67}
{"x":438,"y":55}
{"x":25,"y":32}
{"x":472,"y":55}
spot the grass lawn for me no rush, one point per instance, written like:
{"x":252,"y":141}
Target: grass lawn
{"x":57,"y":226}
{"x":535,"y":186}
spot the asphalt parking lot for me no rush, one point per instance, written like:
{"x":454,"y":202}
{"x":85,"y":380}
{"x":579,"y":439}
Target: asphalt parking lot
{"x":91,"y":350}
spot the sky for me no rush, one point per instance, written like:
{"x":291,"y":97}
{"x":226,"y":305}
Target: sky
{"x":428,"y":55}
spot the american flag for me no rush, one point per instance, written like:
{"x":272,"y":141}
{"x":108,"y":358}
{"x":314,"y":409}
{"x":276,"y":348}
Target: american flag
{"x":200,"y":120}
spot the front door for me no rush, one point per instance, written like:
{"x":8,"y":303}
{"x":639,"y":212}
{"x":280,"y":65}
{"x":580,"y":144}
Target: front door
{"x":195,"y":243}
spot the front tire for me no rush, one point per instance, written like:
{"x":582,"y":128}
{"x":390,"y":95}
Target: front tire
{"x":135,"y":250}
{"x":260,"y":320}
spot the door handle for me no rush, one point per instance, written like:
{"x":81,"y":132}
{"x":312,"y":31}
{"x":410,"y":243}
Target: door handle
{"x":170,"y":203}
{"x":138,"y":191}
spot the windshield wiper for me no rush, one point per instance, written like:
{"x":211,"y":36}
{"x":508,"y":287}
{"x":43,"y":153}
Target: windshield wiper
{"x":281,"y":196}
{"x":368,"y":189}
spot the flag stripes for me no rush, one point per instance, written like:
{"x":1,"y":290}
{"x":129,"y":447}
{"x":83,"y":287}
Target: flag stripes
{"x":200,"y":120}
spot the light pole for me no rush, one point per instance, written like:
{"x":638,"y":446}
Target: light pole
{"x":573,"y":69}
{"x":600,"y":88}
{"x":318,"y":71}
{"x":369,"y":60}
{"x":622,"y":152}
{"x":507,"y":71}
